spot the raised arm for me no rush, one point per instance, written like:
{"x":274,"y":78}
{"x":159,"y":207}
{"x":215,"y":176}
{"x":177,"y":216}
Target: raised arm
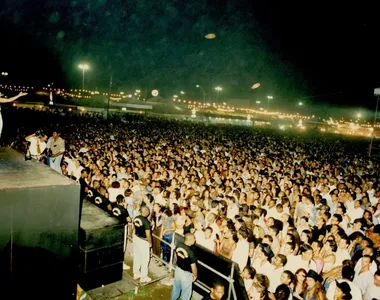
{"x":6,"y":100}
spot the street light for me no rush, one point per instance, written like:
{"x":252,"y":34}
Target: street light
{"x":269,"y":98}
{"x":83,"y":67}
{"x":218,"y":89}
{"x":4,"y":74}
{"x":203,"y":92}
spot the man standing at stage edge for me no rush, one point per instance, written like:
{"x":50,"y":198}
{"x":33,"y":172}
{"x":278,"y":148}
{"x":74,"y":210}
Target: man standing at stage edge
{"x":186,"y":272}
{"x":57,"y":146}
{"x":142,"y":242}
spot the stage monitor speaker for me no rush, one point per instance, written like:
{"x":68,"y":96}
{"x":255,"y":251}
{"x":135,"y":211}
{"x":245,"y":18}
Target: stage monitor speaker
{"x":101,"y":247}
{"x":39,"y":229}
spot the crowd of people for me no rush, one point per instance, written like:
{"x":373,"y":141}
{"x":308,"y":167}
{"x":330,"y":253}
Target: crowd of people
{"x":298,"y":213}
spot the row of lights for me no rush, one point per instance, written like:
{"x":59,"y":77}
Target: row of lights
{"x":78,"y":93}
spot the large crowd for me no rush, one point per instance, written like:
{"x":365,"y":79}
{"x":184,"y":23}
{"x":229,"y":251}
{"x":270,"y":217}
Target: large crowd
{"x":299,"y":213}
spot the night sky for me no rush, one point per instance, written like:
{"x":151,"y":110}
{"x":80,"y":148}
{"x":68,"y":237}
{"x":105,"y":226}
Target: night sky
{"x":314,"y":51}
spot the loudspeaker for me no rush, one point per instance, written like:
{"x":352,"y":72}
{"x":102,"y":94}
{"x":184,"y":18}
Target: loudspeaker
{"x":101,"y":247}
{"x":39,"y":229}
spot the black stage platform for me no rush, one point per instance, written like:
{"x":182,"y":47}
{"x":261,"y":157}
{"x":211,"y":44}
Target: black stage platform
{"x":39,"y":226}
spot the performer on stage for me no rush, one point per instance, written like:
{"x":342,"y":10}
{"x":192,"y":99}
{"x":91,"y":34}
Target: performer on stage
{"x":7,"y":100}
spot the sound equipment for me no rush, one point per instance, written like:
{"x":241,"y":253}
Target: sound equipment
{"x":101,"y":247}
{"x":39,"y":226}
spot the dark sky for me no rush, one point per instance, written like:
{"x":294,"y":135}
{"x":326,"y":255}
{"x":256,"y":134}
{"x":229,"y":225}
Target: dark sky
{"x":295,"y":49}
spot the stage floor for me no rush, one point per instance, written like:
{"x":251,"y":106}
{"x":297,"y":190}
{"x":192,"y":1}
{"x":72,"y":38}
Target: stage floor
{"x":125,"y":288}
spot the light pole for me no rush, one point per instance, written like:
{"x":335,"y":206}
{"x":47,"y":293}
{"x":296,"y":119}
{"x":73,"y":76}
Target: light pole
{"x":109,"y":98}
{"x":218,"y":89}
{"x":4,"y":74}
{"x":269,"y":98}
{"x":83,"y":67}
{"x":203,"y":92}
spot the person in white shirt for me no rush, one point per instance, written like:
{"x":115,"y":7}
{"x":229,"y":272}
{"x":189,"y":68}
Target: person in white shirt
{"x":114,"y":191}
{"x":248,"y":274}
{"x":342,"y":253}
{"x":262,"y":263}
{"x":240,"y":254}
{"x":275,"y":277}
{"x":373,"y":289}
{"x":370,"y":251}
{"x":37,"y":145}
{"x":303,"y":261}
{"x":207,"y":241}
{"x":57,"y":148}
{"x":355,"y":211}
{"x":364,"y":277}
{"x":347,"y":276}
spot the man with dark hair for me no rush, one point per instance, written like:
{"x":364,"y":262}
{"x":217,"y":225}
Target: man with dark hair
{"x":240,"y":254}
{"x":186,"y":272}
{"x":56,"y":145}
{"x":373,"y":289}
{"x":217,"y":290}
{"x":348,"y":274}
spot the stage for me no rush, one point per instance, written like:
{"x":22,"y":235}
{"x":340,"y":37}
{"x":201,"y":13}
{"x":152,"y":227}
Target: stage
{"x":39,"y":226}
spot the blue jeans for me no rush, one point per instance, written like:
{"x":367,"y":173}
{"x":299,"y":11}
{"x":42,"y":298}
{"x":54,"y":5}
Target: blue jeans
{"x":166,"y":250}
{"x":182,"y":285}
{"x":55,"y":163}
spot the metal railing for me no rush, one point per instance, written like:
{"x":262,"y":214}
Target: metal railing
{"x":203,"y":286}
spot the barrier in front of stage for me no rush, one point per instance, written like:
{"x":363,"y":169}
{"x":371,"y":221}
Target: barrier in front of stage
{"x":216,"y":265}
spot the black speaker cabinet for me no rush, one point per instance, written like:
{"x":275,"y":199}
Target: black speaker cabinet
{"x":39,"y":229}
{"x":101,"y":247}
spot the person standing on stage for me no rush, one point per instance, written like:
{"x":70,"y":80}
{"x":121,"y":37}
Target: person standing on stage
{"x":57,"y":147}
{"x":6,"y":100}
{"x":186,"y":272}
{"x":142,"y":242}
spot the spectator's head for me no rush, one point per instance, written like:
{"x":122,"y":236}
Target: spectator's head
{"x":217,"y":289}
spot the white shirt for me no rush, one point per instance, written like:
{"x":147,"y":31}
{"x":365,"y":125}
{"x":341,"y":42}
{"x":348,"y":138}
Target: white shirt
{"x":362,"y":280}
{"x":33,"y":149}
{"x":113,"y":193}
{"x":275,"y":279}
{"x":232,"y":211}
{"x":358,"y":267}
{"x":266,"y":269}
{"x":372,"y":292}
{"x":296,"y":262}
{"x":355,"y":213}
{"x":355,"y":291}
{"x":340,"y":256}
{"x":240,"y":254}
{"x":207,"y":243}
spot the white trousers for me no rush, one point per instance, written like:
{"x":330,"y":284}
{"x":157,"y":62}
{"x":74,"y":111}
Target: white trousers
{"x":141,"y":257}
